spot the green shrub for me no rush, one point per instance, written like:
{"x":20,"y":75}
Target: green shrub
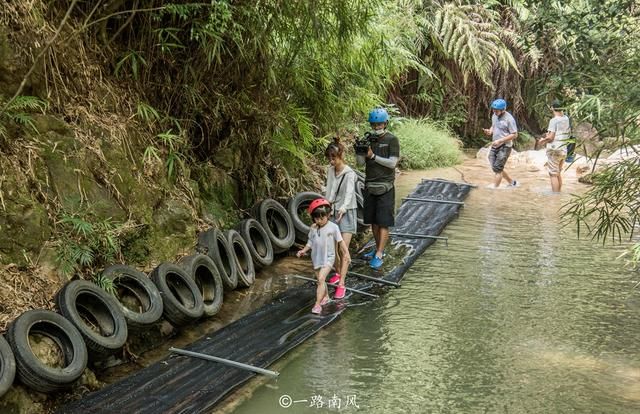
{"x":524,"y":141}
{"x":425,"y":144}
{"x":87,"y":242}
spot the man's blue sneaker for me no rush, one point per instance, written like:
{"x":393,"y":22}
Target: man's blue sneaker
{"x":376,"y":263}
{"x":369,"y":255}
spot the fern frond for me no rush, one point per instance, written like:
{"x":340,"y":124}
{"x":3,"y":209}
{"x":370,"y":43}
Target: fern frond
{"x":470,"y":36}
{"x":27,"y":102}
{"x":23,"y":119}
{"x":82,"y":254}
{"x":80,"y":226}
{"x":105,"y":283}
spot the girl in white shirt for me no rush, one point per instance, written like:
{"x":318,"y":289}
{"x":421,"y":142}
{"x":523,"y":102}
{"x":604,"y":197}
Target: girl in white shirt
{"x":323,"y":237}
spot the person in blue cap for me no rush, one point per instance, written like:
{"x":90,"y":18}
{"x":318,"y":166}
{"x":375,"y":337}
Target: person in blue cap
{"x":503,"y":131}
{"x":380,"y":173}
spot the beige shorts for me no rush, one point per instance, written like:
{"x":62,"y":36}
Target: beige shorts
{"x":555,"y":158}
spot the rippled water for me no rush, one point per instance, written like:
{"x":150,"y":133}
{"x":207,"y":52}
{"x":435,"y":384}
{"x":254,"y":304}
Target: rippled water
{"x":515,"y":315}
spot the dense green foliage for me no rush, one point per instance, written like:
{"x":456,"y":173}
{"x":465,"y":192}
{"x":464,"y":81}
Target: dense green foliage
{"x":264,"y":81}
{"x":255,"y":87}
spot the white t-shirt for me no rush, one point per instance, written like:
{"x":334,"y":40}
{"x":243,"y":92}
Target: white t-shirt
{"x":562,"y":127}
{"x":341,"y":190}
{"x":323,"y":244}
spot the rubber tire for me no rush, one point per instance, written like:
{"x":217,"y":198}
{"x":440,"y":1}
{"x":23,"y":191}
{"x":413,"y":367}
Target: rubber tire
{"x":139,"y":285}
{"x":29,"y":369}
{"x":207,"y":278}
{"x":275,"y":218}
{"x":181,"y":297}
{"x":297,"y":205}
{"x":104,"y":308}
{"x":7,"y":366}
{"x":242,"y":257}
{"x":217,"y":247}
{"x":258,"y":242}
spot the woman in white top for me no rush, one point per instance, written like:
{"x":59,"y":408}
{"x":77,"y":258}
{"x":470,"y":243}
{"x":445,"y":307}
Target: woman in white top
{"x":341,"y":193}
{"x":558,"y":132}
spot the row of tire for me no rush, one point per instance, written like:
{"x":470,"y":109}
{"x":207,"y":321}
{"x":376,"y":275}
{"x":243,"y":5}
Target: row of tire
{"x":92,"y":324}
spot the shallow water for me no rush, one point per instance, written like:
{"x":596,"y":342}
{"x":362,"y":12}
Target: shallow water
{"x":515,"y":315}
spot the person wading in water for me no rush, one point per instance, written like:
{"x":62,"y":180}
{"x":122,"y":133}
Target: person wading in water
{"x":503,"y":131}
{"x":558,"y":133}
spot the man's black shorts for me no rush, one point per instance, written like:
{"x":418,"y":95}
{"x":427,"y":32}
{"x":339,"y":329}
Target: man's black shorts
{"x":498,"y":158}
{"x":379,"y":209}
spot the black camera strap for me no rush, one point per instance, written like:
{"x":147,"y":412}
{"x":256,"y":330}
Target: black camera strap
{"x":339,"y":185}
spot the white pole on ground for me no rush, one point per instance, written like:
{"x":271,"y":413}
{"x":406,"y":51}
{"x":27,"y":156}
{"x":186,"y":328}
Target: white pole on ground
{"x":375,"y":279}
{"x":224,"y":361}
{"x":434,"y":200}
{"x":336,"y":285}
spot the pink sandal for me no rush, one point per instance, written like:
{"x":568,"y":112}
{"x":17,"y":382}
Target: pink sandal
{"x":340,"y":291}
{"x":317,"y":309}
{"x":335,"y":278}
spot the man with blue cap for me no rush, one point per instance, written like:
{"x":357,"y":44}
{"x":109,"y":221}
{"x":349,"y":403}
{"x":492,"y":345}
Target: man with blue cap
{"x":503,"y":131}
{"x":380,"y":161}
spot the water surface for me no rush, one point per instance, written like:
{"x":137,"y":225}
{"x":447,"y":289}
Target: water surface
{"x":516,"y":315}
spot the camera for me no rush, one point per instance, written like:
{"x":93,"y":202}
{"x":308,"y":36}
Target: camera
{"x":362,"y":145}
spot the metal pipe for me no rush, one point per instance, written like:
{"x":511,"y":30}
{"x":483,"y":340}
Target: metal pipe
{"x":434,"y":200}
{"x":447,"y":181}
{"x":420,"y":236}
{"x":224,"y":361}
{"x":375,"y":279}
{"x":336,"y":285}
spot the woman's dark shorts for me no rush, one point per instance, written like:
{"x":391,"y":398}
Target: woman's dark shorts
{"x":379,"y":209}
{"x":498,"y":158}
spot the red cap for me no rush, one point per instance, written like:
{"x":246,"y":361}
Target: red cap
{"x":317,"y":203}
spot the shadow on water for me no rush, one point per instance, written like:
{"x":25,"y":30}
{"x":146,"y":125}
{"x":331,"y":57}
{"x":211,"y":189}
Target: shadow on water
{"x":515,"y":315}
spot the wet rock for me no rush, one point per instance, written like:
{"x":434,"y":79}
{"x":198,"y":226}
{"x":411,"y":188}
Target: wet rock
{"x":586,"y":179}
{"x":70,"y":179}
{"x":173,"y":217}
{"x":24,"y":222}
{"x":217,"y":190}
{"x":627,"y":153}
{"x":9,"y":65}
{"x":47,"y":123}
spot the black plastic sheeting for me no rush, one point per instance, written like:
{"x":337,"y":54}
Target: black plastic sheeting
{"x":182,"y":384}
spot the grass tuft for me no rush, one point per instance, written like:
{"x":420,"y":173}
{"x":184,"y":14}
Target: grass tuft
{"x":426,"y":144}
